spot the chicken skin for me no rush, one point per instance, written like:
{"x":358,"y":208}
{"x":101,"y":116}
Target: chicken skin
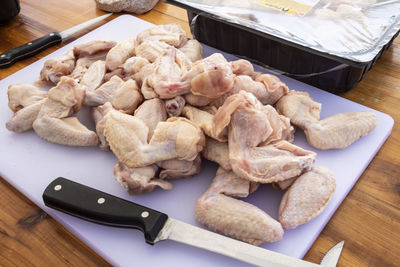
{"x":218,"y":152}
{"x":87,"y":60}
{"x":285,"y":184}
{"x":243,"y":67}
{"x":204,"y":120}
{"x":93,"y":48}
{"x":166,"y":76}
{"x":151,"y":112}
{"x":53,"y":122}
{"x":123,"y":95}
{"x":23,"y":119}
{"x":210,"y":77}
{"x":256,"y":150}
{"x":104,"y":93}
{"x":143,"y":179}
{"x":151,"y":50}
{"x":218,"y":210}
{"x":307,"y":197}
{"x":55,"y":68}
{"x":139,"y":180}
{"x":300,"y":108}
{"x":184,"y":137}
{"x":94,"y":75}
{"x":172,"y":34}
{"x":127,"y":97}
{"x":197,"y":100}
{"x":132,"y":67}
{"x":22,"y":95}
{"x":119,"y":54}
{"x":176,"y":138}
{"x":275,"y":88}
{"x":267,"y":88}
{"x":335,"y":132}
{"x":193,"y":50}
{"x":98,"y":114}
{"x":340,"y":130}
{"x":87,"y":54}
{"x":174,"y":168}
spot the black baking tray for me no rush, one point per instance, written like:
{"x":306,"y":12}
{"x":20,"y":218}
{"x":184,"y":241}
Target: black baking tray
{"x":293,"y":60}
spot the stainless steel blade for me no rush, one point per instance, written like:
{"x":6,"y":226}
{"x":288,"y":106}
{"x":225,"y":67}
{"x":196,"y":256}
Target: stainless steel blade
{"x":331,"y":258}
{"x":195,"y":236}
{"x":71,"y":31}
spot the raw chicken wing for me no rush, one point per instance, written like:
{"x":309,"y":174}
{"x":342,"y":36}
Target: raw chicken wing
{"x":119,"y":54}
{"x":335,"y":132}
{"x":340,"y":130}
{"x":176,"y":138}
{"x":53,"y":122}
{"x":210,"y":77}
{"x":274,"y":86}
{"x":246,"y":83}
{"x":300,"y":108}
{"x":93,"y":76}
{"x":132,"y":66}
{"x":87,"y":60}
{"x":151,"y":50}
{"x":197,"y":100}
{"x":151,"y":112}
{"x":307,"y":197}
{"x":55,"y":68}
{"x":92,"y":48}
{"x":89,"y":53}
{"x":174,"y":168}
{"x":26,"y":101}
{"x":172,"y":34}
{"x":127,"y":97}
{"x":104,"y":93}
{"x":124,"y":96}
{"x":204,"y":120}
{"x":142,"y":179}
{"x":254,"y":131}
{"x":193,"y":50}
{"x":139,"y":180}
{"x":243,"y":67}
{"x":166,"y":76}
{"x":22,"y":95}
{"x":23,"y":119}
{"x":98,"y":114}
{"x":218,"y":210}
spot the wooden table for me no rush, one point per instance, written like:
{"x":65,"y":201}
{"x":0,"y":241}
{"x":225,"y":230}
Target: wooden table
{"x":368,"y":219}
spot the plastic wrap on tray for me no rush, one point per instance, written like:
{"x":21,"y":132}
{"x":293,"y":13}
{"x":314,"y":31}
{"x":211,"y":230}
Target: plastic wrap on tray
{"x":353,"y":30}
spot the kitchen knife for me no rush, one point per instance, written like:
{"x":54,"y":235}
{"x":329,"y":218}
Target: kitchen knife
{"x":99,"y":207}
{"x":34,"y":47}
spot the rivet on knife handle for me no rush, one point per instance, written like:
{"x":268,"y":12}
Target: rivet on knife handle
{"x":29,"y":49}
{"x":93,"y":205}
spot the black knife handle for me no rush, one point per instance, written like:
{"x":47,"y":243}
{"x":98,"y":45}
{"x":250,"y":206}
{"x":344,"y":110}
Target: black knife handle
{"x":99,"y":207}
{"x":29,"y":49}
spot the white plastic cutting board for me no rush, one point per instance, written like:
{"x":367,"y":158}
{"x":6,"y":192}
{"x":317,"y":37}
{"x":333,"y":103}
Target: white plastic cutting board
{"x":30,"y":163}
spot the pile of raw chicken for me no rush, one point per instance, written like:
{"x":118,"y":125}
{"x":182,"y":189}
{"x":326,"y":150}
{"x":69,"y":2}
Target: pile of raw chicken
{"x":160,"y":107}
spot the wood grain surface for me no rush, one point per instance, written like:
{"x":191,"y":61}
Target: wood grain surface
{"x":368,"y":219}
